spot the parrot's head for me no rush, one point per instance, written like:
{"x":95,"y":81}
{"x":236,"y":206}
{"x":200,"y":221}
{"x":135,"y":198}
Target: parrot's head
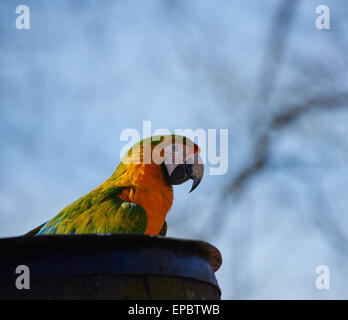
{"x":178,"y":157}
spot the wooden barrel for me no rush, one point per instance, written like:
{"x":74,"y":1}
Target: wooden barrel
{"x":109,"y":267}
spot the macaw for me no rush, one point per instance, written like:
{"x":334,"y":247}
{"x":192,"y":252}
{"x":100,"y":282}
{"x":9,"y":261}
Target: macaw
{"x":138,"y":195}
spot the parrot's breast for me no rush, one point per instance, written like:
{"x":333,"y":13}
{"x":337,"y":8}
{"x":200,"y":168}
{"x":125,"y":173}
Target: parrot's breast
{"x":146,"y":186}
{"x":156,"y":204}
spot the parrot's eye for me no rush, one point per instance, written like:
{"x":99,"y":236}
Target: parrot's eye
{"x":173,"y":153}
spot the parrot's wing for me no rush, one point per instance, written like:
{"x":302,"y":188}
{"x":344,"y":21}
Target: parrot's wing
{"x":34,"y":231}
{"x":98,"y":212}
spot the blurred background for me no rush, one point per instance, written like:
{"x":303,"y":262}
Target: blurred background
{"x":86,"y":70}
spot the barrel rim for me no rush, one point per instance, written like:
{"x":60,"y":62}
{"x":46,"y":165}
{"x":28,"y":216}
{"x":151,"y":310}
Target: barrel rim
{"x":205,"y":249}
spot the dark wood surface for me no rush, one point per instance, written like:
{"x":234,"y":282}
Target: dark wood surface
{"x":110,"y":267}
{"x":107,"y":287}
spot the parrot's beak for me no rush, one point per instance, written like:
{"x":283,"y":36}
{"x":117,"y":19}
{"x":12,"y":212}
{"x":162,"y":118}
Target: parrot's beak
{"x":192,"y":168}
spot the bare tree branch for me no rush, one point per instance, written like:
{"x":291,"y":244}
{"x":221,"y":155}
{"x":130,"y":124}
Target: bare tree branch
{"x":278,"y":122}
{"x":275,"y":47}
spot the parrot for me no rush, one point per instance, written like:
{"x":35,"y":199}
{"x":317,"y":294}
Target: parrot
{"x":137,"y":196}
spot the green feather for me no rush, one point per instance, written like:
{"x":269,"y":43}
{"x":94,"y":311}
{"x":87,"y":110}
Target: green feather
{"x":98,"y":212}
